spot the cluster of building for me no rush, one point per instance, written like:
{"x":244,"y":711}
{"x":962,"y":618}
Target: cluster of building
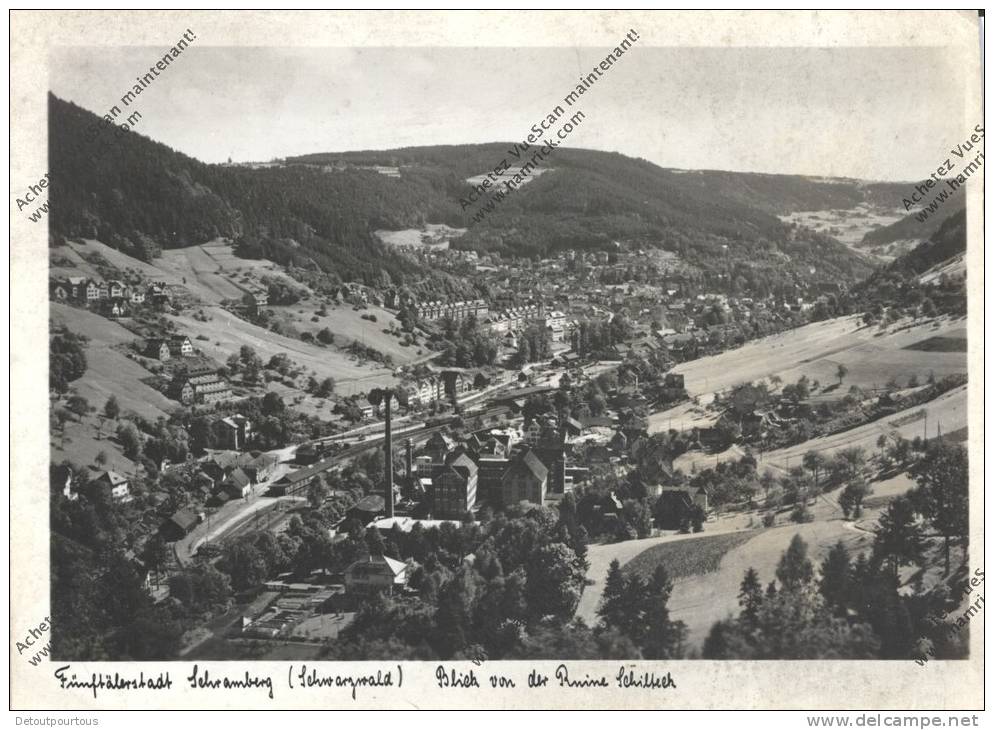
{"x":166,"y":348}
{"x":198,"y":381}
{"x":114,"y":296}
{"x":200,"y":384}
{"x":219,"y":477}
{"x":234,"y":474}
{"x":447,"y":479}
{"x":447,"y":385}
{"x":515,"y":319}
{"x":457,"y":310}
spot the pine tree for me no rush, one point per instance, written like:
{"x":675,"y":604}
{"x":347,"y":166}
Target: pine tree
{"x":750,"y":596}
{"x":834,"y":583}
{"x":899,"y":539}
{"x":942,"y":496}
{"x":887,"y":612}
{"x":611,"y":610}
{"x":794,"y":569}
{"x":662,"y":638}
{"x":851,"y":498}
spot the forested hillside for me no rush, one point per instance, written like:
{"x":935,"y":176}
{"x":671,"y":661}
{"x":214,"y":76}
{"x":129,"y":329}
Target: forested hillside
{"x":948,"y":241}
{"x":140,"y":196}
{"x":319,"y":211}
{"x":899,"y":286}
{"x":910,"y":228}
{"x":722,"y":222}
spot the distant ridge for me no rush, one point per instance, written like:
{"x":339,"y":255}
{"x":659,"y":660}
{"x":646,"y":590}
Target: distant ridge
{"x":321,"y":209}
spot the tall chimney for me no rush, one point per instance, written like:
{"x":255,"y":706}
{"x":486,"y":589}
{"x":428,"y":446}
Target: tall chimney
{"x":409,"y":459}
{"x":388,"y":452}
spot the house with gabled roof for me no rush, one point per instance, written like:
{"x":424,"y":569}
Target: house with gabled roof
{"x":180,"y":346}
{"x":454,"y":487}
{"x":158,"y":349}
{"x":526,"y":479}
{"x":181,"y":524}
{"x":234,"y":431}
{"x":377,"y":573}
{"x":118,"y":484}
{"x":237,"y":484}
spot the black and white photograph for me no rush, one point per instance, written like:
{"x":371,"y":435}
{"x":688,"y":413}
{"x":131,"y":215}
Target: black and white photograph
{"x":581,"y":362}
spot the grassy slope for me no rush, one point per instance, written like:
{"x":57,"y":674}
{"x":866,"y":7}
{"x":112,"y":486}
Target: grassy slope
{"x":84,"y":440}
{"x":232,"y":332}
{"x":720,"y":556}
{"x":948,"y":412}
{"x":349,"y":326}
{"x":108,"y":371}
{"x":211,"y":273}
{"x":701,"y":600}
{"x":872,"y":356}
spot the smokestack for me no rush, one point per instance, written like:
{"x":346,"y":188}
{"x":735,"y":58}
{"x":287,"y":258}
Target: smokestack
{"x":388,"y":451}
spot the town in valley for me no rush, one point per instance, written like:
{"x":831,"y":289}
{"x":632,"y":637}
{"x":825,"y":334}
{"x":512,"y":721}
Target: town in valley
{"x":308,"y":409}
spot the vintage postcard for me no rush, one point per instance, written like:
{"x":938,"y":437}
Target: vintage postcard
{"x":486,"y":359}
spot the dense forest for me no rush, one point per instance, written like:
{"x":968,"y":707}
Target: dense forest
{"x":141,"y":196}
{"x":947,"y":241}
{"x":898,"y":287}
{"x":586,"y":199}
{"x":910,"y":227}
{"x":319,"y":212}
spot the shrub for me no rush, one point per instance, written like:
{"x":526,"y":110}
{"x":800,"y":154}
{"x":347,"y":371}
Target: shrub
{"x":802,"y":514}
{"x":769,"y":519}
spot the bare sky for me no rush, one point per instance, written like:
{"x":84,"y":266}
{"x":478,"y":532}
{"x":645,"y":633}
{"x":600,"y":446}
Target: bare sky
{"x":872,"y":113}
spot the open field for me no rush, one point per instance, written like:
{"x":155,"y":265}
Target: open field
{"x":213,"y":273}
{"x":600,"y":556}
{"x":683,"y":417}
{"x":433,"y":235}
{"x":226,"y":334}
{"x":76,"y":253}
{"x":849,"y":226}
{"x":686,"y":558}
{"x":81,"y":445}
{"x":873,"y":356}
{"x":348,"y":326}
{"x":508,"y":175}
{"x":707,"y":567}
{"x":699,"y":601}
{"x":108,"y":371}
{"x":726,"y":550}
